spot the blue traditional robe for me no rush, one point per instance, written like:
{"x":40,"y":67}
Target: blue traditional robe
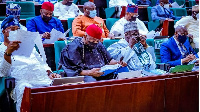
{"x":36,"y":24}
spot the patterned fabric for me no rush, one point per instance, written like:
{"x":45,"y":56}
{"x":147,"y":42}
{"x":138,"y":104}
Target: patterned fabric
{"x":13,"y":9}
{"x":132,"y":8}
{"x":4,"y":68}
{"x":122,"y":49}
{"x":130,"y":26}
{"x":9,"y":21}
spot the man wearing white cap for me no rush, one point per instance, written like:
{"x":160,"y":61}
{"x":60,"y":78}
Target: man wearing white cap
{"x":192,"y":25}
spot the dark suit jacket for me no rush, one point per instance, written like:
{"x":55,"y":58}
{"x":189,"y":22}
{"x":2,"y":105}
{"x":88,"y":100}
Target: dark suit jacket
{"x":171,"y":54}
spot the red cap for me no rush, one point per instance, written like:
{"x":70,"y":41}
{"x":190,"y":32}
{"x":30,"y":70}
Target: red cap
{"x":48,"y":6}
{"x":94,"y":31}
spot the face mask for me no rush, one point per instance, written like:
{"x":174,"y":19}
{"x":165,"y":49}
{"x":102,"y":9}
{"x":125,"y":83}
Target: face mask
{"x":68,"y":3}
{"x":93,"y":13}
{"x":133,"y":18}
{"x":46,"y":18}
{"x":92,"y":45}
{"x":182,"y":39}
{"x":197,"y":16}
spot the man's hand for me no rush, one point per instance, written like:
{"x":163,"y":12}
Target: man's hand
{"x":54,"y":75}
{"x":132,"y":42}
{"x":95,"y":72}
{"x":12,"y":46}
{"x":143,"y":40}
{"x":189,"y":58}
{"x":46,"y":35}
{"x":111,"y":36}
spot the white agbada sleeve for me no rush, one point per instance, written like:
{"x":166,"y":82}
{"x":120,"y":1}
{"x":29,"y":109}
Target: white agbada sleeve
{"x":56,"y":11}
{"x":182,"y":22}
{"x":4,"y":65}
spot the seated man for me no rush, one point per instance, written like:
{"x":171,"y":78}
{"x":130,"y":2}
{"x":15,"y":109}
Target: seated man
{"x":27,"y":71}
{"x":159,"y":12}
{"x":66,"y":9}
{"x":192,"y":25}
{"x":15,"y":10}
{"x":81,"y":22}
{"x":45,"y":22}
{"x":85,"y":56}
{"x":177,"y":50}
{"x":132,"y":49}
{"x":131,"y":15}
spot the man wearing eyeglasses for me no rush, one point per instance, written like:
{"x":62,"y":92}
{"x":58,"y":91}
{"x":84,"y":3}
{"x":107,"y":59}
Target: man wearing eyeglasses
{"x":131,"y":15}
{"x":45,"y":22}
{"x":81,"y":22}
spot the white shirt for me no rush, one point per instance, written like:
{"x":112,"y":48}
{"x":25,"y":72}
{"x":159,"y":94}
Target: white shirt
{"x":64,"y":12}
{"x":27,"y":71}
{"x":114,"y":3}
{"x":119,"y":27}
{"x":192,"y":26}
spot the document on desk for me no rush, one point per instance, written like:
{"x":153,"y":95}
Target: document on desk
{"x":27,"y":41}
{"x":55,"y":34}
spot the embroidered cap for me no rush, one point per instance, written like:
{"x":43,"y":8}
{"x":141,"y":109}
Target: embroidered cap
{"x":9,"y":21}
{"x":130,"y":26}
{"x":132,"y":8}
{"x":94,"y":31}
{"x":13,"y":9}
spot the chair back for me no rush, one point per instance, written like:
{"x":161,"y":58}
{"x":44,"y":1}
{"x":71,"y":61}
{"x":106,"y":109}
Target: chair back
{"x":58,"y":46}
{"x":107,"y":43}
{"x":149,"y":13}
{"x":179,"y":12}
{"x":110,"y":22}
{"x":69,"y":22}
{"x":157,"y":45}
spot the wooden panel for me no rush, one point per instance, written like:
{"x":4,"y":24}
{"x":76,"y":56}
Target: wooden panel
{"x":58,"y":101}
{"x":182,"y":94}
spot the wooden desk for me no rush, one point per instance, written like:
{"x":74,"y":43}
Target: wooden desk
{"x":168,"y":28}
{"x":155,"y":93}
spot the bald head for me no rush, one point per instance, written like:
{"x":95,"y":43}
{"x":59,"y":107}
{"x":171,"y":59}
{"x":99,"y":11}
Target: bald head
{"x":89,"y":9}
{"x":88,"y":4}
{"x":180,"y":29}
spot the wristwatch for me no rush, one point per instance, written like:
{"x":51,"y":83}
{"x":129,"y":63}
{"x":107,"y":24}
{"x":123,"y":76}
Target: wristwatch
{"x":7,"y":54}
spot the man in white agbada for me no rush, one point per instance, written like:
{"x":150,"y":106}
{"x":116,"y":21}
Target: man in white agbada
{"x":114,"y":3}
{"x":131,"y":15}
{"x":192,"y":25}
{"x":27,"y":71}
{"x":15,"y":10}
{"x":133,"y":49}
{"x":66,"y":9}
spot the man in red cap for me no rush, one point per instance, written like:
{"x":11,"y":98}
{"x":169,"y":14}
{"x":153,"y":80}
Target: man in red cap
{"x":85,"y":56}
{"x":45,"y":22}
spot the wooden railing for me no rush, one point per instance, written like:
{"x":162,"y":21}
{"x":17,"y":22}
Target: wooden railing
{"x":165,"y":93}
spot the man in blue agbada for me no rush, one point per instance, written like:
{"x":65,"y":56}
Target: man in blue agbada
{"x":133,"y":49}
{"x":14,"y":10}
{"x":45,"y":22}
